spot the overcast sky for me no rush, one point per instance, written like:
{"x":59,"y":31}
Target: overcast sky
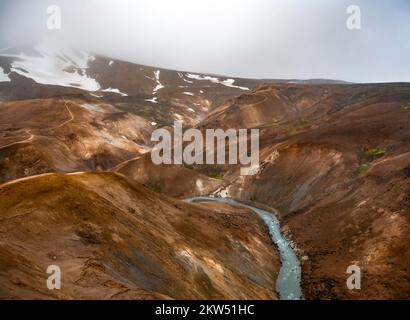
{"x":246,"y":38}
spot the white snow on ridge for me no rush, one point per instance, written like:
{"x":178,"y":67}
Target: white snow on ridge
{"x":51,"y":65}
{"x":3,"y":76}
{"x":182,"y":77}
{"x":227,"y":82}
{"x":153,"y":100}
{"x":96,"y":95}
{"x":159,"y":84}
{"x":55,"y":67}
{"x":115,"y":91}
{"x":230,"y":83}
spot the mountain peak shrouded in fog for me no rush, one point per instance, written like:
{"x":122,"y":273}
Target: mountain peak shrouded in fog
{"x":51,"y":63}
{"x":279,"y":39}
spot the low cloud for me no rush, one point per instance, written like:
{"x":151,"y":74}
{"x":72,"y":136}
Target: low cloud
{"x":246,"y":38}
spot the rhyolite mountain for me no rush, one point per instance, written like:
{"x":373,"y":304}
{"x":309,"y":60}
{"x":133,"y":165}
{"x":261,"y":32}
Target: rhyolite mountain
{"x":79,"y":187}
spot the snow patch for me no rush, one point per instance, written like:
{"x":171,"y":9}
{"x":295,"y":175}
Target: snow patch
{"x":159,"y":84}
{"x":3,"y":76}
{"x":110,"y":63}
{"x":188,"y":93}
{"x":112,"y":90}
{"x":52,"y":66}
{"x":96,"y":95}
{"x":230,"y":83}
{"x":227,"y":82}
{"x":153,"y":100}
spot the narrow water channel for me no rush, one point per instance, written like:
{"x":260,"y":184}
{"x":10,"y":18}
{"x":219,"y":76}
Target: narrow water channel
{"x":288,"y":282}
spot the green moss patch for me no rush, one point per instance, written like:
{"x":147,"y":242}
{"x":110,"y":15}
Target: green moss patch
{"x":216,"y":175}
{"x":375,"y":152}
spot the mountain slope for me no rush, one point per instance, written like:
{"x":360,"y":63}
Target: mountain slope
{"x":334,"y":164}
{"x":162,"y":95}
{"x":67,"y":134}
{"x":117,"y":240}
{"x":334,"y":161}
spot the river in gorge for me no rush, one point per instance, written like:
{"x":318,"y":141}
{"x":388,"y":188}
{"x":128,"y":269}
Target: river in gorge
{"x":288,"y":282}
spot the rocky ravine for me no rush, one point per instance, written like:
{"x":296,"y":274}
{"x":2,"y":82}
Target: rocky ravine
{"x":114,"y":239}
{"x":335,"y":164}
{"x":335,"y":161}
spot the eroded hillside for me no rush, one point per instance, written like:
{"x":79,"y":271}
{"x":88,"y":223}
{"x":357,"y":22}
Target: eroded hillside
{"x":114,"y":239}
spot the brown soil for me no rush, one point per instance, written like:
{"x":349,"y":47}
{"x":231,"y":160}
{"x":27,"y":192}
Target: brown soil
{"x":335,"y":161}
{"x":116,"y":240}
{"x":340,"y":204}
{"x":67,"y":134}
